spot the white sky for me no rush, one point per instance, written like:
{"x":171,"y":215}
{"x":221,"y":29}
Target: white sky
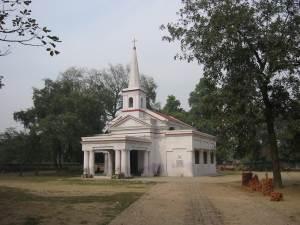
{"x":94,"y":34}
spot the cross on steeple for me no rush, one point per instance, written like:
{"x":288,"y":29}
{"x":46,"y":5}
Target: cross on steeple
{"x":134,"y":41}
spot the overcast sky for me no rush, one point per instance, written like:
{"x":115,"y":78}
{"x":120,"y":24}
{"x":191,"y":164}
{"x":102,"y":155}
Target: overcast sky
{"x":94,"y":34}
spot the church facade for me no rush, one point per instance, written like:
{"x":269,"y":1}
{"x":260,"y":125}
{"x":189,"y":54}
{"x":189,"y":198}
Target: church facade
{"x":143,"y":142}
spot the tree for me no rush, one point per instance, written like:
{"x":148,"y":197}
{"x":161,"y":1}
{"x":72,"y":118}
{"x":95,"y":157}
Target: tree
{"x":14,"y":148}
{"x":173,"y":108}
{"x":18,"y":27}
{"x":111,"y":82}
{"x":64,"y":110}
{"x":172,"y":105}
{"x":239,"y":40}
{"x":205,"y":107}
{"x":230,"y":115}
{"x":149,"y":86}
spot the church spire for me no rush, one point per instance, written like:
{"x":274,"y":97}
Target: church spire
{"x":134,"y":75}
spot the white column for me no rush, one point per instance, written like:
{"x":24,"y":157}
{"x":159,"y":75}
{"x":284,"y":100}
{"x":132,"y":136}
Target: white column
{"x":92,"y":163}
{"x":124,"y":160}
{"x":146,"y":163}
{"x":85,"y":162}
{"x":105,"y":163}
{"x":128,"y":164}
{"x":110,"y":163}
{"x":117,"y":161}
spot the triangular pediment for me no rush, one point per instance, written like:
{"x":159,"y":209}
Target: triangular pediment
{"x":129,"y":121}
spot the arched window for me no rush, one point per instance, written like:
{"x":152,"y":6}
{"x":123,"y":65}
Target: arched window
{"x":130,"y":102}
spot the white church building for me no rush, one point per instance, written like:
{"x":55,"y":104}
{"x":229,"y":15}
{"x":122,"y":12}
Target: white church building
{"x":142,"y":142}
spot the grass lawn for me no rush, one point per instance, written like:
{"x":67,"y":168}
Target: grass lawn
{"x":32,"y":200}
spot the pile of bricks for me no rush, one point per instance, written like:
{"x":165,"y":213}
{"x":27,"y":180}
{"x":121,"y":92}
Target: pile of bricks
{"x":265,"y":185}
{"x":246,"y":177}
{"x":254,"y":183}
{"x":276,"y":196}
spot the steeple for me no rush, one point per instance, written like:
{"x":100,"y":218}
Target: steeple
{"x":134,"y":98}
{"x":134,"y":75}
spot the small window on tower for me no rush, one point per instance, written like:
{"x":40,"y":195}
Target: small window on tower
{"x":142,"y":102}
{"x":130,"y":103}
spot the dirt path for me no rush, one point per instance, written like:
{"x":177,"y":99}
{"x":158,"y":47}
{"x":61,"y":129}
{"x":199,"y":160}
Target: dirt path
{"x":171,"y":203}
{"x":212,"y":201}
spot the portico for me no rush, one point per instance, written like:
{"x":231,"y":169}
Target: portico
{"x":116,"y":152}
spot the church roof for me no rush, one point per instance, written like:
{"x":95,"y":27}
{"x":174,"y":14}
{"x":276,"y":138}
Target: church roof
{"x":171,"y":118}
{"x":158,"y":115}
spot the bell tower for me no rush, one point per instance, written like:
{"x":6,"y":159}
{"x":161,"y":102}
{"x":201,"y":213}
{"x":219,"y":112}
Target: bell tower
{"x":134,"y":97}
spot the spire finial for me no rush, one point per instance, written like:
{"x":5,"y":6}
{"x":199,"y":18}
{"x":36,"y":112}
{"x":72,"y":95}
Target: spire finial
{"x":134,"y":41}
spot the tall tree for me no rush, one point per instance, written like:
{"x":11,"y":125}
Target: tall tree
{"x":64,"y":110}
{"x":240,"y":40}
{"x":18,"y":27}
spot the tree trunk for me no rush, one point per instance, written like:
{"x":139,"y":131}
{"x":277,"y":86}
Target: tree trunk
{"x":269,"y":118}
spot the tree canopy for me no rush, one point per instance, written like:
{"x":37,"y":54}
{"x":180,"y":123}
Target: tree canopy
{"x":248,"y":48}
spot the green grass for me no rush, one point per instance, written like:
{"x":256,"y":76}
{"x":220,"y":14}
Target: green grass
{"x":72,"y":180}
{"x":111,"y":204}
{"x":21,"y":195}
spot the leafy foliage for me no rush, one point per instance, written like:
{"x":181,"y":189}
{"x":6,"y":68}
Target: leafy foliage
{"x":18,"y":27}
{"x":173,"y":108}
